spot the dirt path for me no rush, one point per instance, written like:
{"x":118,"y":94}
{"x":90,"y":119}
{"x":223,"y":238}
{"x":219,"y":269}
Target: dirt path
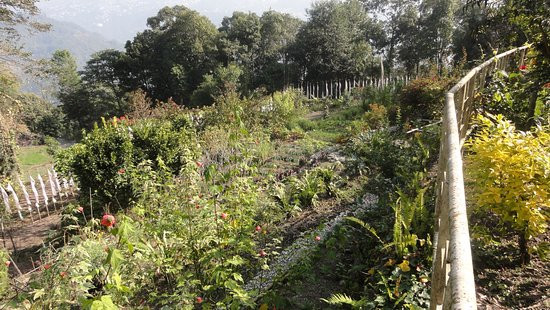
{"x":27,"y":239}
{"x":315,"y":115}
{"x":303,"y":245}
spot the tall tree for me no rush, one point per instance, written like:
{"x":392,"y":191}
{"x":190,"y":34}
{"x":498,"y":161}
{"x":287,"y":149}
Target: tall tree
{"x":170,"y":59}
{"x":334,"y":43}
{"x":12,"y":13}
{"x":239,"y":42}
{"x":278,"y":33}
{"x":400,"y":20}
{"x":91,"y":94}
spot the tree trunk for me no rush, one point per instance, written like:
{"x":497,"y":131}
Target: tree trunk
{"x":523,"y":249}
{"x":532,"y":107}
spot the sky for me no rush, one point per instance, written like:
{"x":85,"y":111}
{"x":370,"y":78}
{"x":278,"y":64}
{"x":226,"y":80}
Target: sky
{"x":120,"y":20}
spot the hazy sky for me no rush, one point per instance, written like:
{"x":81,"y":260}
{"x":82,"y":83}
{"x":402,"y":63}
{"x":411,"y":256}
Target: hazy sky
{"x":121,"y":19}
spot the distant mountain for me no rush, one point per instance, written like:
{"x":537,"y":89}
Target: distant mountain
{"x":65,"y":35}
{"x":120,"y":20}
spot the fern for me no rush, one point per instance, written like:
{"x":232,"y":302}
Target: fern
{"x":366,"y":226}
{"x":343,"y":299}
{"x":398,"y":228}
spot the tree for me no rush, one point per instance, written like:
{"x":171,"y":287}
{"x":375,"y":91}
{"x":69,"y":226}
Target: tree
{"x":333,"y":43}
{"x":92,"y":94}
{"x":169,"y":59}
{"x":223,"y":81}
{"x":437,"y":30}
{"x":278,"y":32}
{"x":418,"y":31}
{"x":400,"y":20}
{"x":12,"y":13}
{"x":239,"y":42}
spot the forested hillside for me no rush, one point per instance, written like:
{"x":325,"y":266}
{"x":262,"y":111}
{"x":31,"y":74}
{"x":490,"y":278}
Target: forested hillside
{"x":277,"y":163}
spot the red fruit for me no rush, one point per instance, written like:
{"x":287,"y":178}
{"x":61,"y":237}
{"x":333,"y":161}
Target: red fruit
{"x":317,"y":238}
{"x":108,"y":220}
{"x":62,"y":274}
{"x":121,"y":171}
{"x":197,"y":206}
{"x":262,"y":253}
{"x":47,"y":266}
{"x":258,"y":228}
{"x":81,"y":209}
{"x":523,"y":67}
{"x":199,"y":300}
{"x":8,"y":263}
{"x":224,"y":216}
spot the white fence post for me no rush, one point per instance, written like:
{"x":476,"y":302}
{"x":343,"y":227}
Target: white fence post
{"x":36,"y":197}
{"x":44,"y":194}
{"x":10,"y":189}
{"x":6,"y":199}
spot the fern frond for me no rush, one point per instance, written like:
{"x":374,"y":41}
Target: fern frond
{"x":365,"y":226}
{"x":343,"y":299}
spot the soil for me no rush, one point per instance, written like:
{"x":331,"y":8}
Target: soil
{"x":28,"y":238}
{"x":503,"y":283}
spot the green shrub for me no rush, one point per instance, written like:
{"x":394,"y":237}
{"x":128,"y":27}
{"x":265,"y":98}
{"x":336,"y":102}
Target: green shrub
{"x":284,"y":106}
{"x":4,"y":272}
{"x":512,"y":95}
{"x":385,"y":96}
{"x":304,"y":191}
{"x":52,"y":145}
{"x":224,"y":80}
{"x":376,"y":117}
{"x":106,"y":158}
{"x":511,"y":171}
{"x":423,"y":98}
{"x":8,"y":161}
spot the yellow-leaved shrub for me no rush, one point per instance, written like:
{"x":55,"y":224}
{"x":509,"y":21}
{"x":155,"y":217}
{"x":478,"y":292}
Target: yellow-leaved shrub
{"x":511,"y":169}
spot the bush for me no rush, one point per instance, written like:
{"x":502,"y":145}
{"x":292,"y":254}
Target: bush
{"x":52,"y":145}
{"x":8,"y":161}
{"x":423,"y":98}
{"x":4,"y":272}
{"x":385,"y":96}
{"x":376,"y":117}
{"x":106,"y":158}
{"x":512,"y":95}
{"x":511,"y":171}
{"x":284,"y":106}
{"x":224,"y":80}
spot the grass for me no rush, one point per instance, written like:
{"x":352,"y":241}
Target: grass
{"x":332,"y":127}
{"x":33,"y":160}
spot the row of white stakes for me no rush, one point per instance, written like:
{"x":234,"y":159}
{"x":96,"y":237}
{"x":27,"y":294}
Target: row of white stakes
{"x":58,"y":188}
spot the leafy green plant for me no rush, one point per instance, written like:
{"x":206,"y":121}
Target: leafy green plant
{"x":4,"y":271}
{"x":52,"y":146}
{"x":376,"y":117}
{"x":343,"y":299}
{"x":511,"y":94}
{"x":306,"y":189}
{"x":8,"y":161}
{"x":105,"y":159}
{"x":423,"y":98}
{"x":511,"y":170}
